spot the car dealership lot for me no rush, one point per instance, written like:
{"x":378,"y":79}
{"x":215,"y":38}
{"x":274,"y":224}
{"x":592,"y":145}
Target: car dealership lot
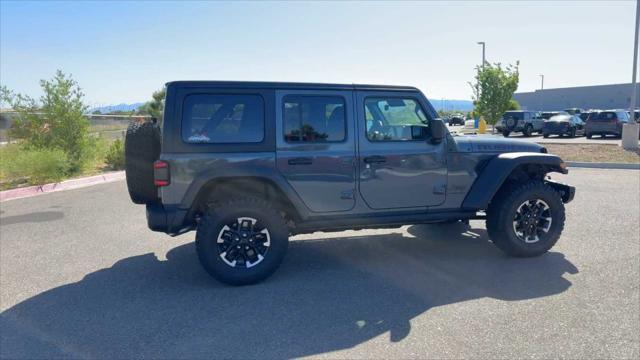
{"x":81,"y":276}
{"x":553,"y":139}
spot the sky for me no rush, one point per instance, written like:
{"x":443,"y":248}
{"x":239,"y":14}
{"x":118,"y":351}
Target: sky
{"x":120,"y":52}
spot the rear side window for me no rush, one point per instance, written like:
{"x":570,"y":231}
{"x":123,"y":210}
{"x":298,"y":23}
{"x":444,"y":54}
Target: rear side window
{"x":515,"y":115}
{"x":215,"y":119}
{"x":312,"y":119}
{"x":604,"y":116}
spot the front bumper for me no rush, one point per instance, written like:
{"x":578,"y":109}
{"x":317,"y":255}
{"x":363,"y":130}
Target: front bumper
{"x":567,"y":192}
{"x":167,"y":219}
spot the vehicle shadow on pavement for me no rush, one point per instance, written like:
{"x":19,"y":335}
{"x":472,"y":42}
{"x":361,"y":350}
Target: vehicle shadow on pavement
{"x":329,"y":295}
{"x":38,"y":216}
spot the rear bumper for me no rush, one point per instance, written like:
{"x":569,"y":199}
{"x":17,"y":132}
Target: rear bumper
{"x":567,"y":192}
{"x":170,"y":220}
{"x":553,"y":130}
{"x":517,"y":128}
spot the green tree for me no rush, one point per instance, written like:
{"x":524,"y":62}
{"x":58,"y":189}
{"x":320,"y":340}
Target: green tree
{"x":513,"y":105}
{"x":55,"y":122}
{"x":155,"y":107}
{"x":493,"y":90}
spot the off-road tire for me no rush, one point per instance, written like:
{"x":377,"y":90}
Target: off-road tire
{"x":221,"y":214}
{"x":141,"y":149}
{"x":545,"y":135}
{"x":588,"y":135}
{"x":502,"y":210}
{"x":527,"y":131}
{"x":572,"y":133}
{"x":506,"y":133}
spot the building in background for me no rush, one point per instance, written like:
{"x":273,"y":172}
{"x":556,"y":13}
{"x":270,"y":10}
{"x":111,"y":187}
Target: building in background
{"x":615,"y":96}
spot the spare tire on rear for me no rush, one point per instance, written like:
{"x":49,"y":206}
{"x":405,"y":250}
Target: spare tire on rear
{"x":141,"y":149}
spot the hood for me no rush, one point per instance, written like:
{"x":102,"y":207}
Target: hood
{"x":494,"y":144}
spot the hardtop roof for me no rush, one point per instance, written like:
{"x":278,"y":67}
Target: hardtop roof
{"x":288,"y":85}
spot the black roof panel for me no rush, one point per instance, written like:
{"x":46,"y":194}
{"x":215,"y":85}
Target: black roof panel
{"x":287,"y":85}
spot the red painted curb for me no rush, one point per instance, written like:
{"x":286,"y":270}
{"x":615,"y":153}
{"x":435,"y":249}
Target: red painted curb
{"x":65,"y":185}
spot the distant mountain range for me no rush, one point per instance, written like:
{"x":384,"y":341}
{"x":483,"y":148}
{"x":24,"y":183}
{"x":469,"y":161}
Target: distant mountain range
{"x":119,"y":107}
{"x":444,"y":104}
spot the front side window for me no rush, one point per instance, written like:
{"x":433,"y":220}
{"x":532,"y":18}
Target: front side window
{"x":391,"y":119}
{"x":214,"y":119}
{"x":312,"y":119}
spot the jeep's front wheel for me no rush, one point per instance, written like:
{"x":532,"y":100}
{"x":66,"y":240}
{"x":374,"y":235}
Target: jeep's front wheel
{"x":241,"y":241}
{"x":526,"y":220}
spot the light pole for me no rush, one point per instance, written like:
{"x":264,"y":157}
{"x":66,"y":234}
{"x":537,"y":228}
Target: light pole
{"x":483,"y":45}
{"x":541,"y":91}
{"x":630,"y":129}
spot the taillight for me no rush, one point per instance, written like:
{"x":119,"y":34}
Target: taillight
{"x":161,"y":173}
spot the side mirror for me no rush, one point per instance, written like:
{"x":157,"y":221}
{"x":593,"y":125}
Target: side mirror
{"x":438,"y":130}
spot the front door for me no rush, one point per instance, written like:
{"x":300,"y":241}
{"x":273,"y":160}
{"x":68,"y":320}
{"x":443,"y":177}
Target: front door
{"x":316,"y":147}
{"x":397,"y":168}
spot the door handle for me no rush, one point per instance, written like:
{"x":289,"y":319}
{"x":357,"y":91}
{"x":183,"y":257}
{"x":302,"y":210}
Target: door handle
{"x":300,"y":161}
{"x":376,"y":159}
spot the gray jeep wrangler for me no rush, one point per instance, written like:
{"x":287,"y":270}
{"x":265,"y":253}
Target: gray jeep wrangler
{"x":248,"y":164}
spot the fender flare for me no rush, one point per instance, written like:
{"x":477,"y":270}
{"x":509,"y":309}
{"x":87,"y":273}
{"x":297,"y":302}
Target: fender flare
{"x":498,"y":169}
{"x":261,"y":174}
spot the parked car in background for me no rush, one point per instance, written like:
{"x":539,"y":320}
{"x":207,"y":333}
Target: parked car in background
{"x":526,"y":122}
{"x":608,"y":122}
{"x":561,"y":125}
{"x":457,"y":119}
{"x":574,"y":111}
{"x":546,"y":115}
{"x":469,"y":127}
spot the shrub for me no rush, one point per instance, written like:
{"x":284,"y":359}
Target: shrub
{"x":115,"y":155}
{"x":35,"y":166}
{"x":55,"y":122}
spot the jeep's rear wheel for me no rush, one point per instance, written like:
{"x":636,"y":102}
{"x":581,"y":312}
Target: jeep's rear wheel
{"x":528,"y":130}
{"x":526,"y":220}
{"x":506,"y":133}
{"x":142,"y":148}
{"x":241,"y":241}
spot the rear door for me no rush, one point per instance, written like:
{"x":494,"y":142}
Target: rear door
{"x":398,"y":170}
{"x":316,"y":148}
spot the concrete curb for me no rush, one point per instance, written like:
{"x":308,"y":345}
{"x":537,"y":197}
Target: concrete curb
{"x":621,"y":166}
{"x":65,"y":185}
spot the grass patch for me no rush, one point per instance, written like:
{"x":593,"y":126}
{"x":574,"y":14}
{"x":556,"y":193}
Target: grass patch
{"x":605,"y":153}
{"x":21,"y":166}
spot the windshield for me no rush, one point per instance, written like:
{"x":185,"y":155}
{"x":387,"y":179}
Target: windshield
{"x":548,"y":115}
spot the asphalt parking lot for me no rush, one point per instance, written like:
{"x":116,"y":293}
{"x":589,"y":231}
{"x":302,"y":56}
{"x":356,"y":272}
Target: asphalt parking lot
{"x":82,"y":277}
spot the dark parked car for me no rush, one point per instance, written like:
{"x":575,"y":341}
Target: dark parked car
{"x":570,"y":125}
{"x":526,"y":122}
{"x":607,"y":122}
{"x":247,"y":164}
{"x":456,"y":120}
